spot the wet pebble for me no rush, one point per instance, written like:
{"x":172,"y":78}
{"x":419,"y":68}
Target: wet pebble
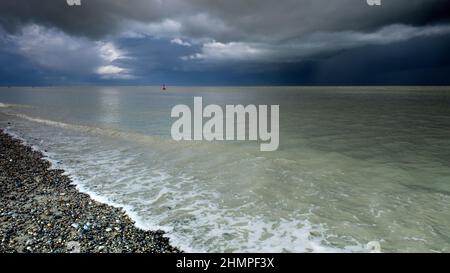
{"x":41,"y":211}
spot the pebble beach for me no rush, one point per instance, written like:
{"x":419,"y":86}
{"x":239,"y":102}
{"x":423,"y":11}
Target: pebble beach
{"x":41,"y":211}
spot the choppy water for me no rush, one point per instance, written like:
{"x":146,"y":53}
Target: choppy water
{"x":354,"y":164}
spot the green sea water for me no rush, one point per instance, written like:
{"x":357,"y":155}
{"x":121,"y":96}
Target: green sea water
{"x":354,"y":165}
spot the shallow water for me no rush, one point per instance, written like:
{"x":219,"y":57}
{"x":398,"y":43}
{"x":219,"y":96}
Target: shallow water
{"x":354,"y":165}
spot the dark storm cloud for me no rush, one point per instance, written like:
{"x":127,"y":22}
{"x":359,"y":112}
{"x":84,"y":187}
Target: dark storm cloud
{"x":427,"y":63}
{"x":223,"y":20}
{"x":284,"y":20}
{"x":223,"y":41}
{"x":94,"y":18}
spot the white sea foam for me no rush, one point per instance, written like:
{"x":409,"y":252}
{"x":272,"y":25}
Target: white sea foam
{"x":108,"y":132}
{"x":146,"y":224}
{"x":187,"y":210}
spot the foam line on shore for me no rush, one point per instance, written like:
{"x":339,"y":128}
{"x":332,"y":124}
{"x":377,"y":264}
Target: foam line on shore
{"x":138,"y":221}
{"x":82,"y":222}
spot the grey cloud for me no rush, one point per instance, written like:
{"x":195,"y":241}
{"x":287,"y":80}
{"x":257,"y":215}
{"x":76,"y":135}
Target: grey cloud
{"x":223,"y":20}
{"x":94,"y":18}
{"x":54,"y":50}
{"x":311,"y":44}
{"x":217,"y":31}
{"x":284,"y":20}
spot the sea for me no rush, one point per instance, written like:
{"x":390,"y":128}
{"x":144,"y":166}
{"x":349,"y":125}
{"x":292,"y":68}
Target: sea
{"x":355,"y":167}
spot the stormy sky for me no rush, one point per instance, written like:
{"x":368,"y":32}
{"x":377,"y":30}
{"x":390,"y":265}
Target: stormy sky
{"x":225,"y":42}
